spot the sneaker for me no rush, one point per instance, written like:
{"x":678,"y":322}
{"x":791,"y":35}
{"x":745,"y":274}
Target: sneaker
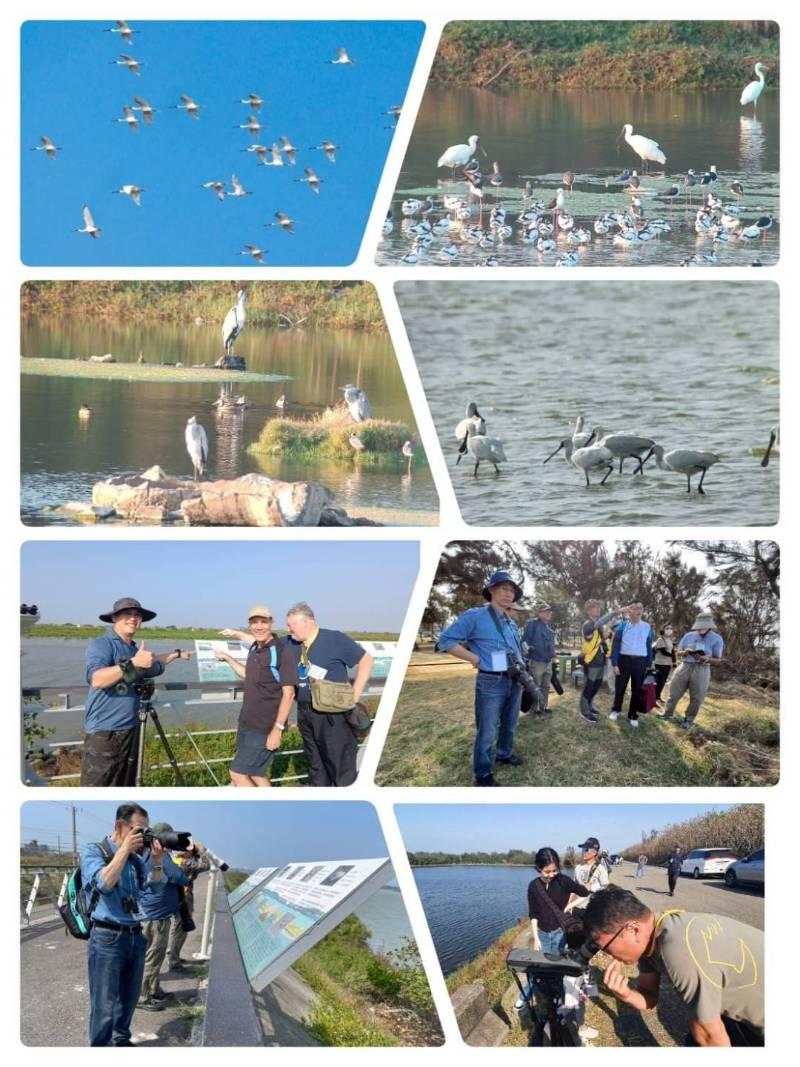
{"x":123,"y":1044}
{"x":633,"y":722}
{"x":178,"y":965}
{"x":687,"y":724}
{"x":590,"y":716}
{"x":666,"y":718}
{"x":487,"y":779}
{"x":519,"y":1004}
{"x":587,"y":1033}
{"x":614,"y":716}
{"x":548,"y":711}
{"x":161,"y":995}
{"x":510,"y":761}
{"x":149,"y":1005}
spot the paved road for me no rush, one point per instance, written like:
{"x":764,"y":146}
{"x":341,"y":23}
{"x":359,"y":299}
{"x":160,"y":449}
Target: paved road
{"x":55,"y":988}
{"x":707,"y":894}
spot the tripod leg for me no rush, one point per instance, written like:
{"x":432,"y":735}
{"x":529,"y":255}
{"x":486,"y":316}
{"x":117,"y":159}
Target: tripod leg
{"x":136,"y":772}
{"x":167,"y":747}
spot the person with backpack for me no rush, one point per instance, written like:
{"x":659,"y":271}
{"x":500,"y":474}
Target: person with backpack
{"x":270,"y":675}
{"x":594,"y":654}
{"x":114,"y":874}
{"x":592,"y":871}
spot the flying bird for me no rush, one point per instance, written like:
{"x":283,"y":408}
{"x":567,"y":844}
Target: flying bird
{"x":129,"y":62}
{"x":47,"y":146}
{"x":237,"y":188}
{"x":311,"y":178}
{"x":289,"y":149}
{"x":285,"y":223}
{"x":342,"y":59}
{"x":129,"y":119}
{"x":254,"y":100}
{"x":88,"y":224}
{"x":253,"y":126}
{"x":140,"y":104}
{"x":191,"y":108}
{"x":123,"y":29}
{"x":218,"y":187}
{"x":133,"y":191}
{"x":254,"y":251}
{"x":328,"y":147}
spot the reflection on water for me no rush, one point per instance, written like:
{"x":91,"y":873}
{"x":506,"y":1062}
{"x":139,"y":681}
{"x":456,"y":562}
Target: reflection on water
{"x":690,"y":365}
{"x":539,"y":135}
{"x":137,"y":424}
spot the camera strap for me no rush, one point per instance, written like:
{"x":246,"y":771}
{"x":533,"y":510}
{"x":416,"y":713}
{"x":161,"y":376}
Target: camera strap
{"x":501,"y":631}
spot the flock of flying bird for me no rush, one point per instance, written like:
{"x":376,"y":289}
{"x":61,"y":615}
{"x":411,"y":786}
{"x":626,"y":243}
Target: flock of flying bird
{"x":596,"y":450}
{"x":541,"y":224}
{"x":279,"y":154}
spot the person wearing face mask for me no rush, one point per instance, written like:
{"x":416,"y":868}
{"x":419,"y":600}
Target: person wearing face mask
{"x":664,"y":659}
{"x":699,"y":649}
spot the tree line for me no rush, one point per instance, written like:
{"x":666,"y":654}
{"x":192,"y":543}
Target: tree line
{"x":741,"y":829}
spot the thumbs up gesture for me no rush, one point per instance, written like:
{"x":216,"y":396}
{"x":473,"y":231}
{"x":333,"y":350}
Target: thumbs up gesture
{"x":143,"y":658}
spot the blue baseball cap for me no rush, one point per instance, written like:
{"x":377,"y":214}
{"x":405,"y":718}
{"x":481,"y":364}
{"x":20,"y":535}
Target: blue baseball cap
{"x":497,"y":579}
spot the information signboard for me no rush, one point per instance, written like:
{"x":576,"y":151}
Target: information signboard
{"x":383,"y":652}
{"x":237,"y":895}
{"x":211,"y":669}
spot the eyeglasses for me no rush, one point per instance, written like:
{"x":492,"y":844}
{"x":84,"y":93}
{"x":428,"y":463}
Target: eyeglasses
{"x":608,"y":944}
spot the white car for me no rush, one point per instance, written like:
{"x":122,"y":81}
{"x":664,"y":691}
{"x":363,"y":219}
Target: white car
{"x":707,"y":862}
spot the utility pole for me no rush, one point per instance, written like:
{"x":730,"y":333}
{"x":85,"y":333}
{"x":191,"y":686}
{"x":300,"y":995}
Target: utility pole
{"x":74,"y":836}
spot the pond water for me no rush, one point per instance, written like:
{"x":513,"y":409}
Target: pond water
{"x":384,"y":913}
{"x":137,"y":424}
{"x":691,"y":365}
{"x":537,"y":136}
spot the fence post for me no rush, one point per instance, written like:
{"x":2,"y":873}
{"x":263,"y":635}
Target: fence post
{"x":211,"y":903}
{"x":32,"y":898}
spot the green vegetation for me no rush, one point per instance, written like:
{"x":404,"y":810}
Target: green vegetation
{"x":141,"y":372}
{"x":327,"y":436}
{"x":86,"y":631}
{"x":332,"y":305}
{"x":734,"y":743}
{"x":515,"y":857}
{"x":620,"y":54}
{"x":740,"y":829}
{"x":366,"y":999}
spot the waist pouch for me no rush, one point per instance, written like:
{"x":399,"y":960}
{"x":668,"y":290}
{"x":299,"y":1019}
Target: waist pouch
{"x":331,"y":697}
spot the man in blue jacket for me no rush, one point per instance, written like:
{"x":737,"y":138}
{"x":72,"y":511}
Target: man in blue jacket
{"x":539,"y":641}
{"x":115,"y":666}
{"x":158,"y":908}
{"x":485,"y":638}
{"x":116,"y":873}
{"x":631,"y":655}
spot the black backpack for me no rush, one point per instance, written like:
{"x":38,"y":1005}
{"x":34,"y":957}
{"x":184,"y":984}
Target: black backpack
{"x":76,"y":911}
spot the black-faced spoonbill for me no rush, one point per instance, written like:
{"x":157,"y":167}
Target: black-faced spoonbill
{"x":685,"y":461}
{"x":311,"y":179}
{"x":646,"y":149}
{"x":408,"y":452}
{"x":285,"y":223}
{"x":196,"y":446}
{"x":254,"y":251}
{"x":458,"y":155}
{"x":129,"y":62}
{"x":471,"y":417}
{"x":133,"y":191}
{"x":129,"y":119}
{"x":624,"y":445}
{"x":123,"y":29}
{"x":88,"y":224}
{"x":254,"y":100}
{"x":218,"y":187}
{"x":84,"y":412}
{"x":751,"y":92}
{"x":483,"y":448}
{"x":237,"y":189}
{"x":289,"y":149}
{"x":234,"y":323}
{"x":773,"y":446}
{"x":253,"y":126}
{"x":47,"y":146}
{"x":140,"y":104}
{"x":191,"y":108}
{"x":590,"y":457}
{"x":328,"y":147}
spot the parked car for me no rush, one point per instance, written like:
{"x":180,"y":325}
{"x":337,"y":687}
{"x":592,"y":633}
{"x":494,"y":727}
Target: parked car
{"x":747,"y":871}
{"x":707,"y":862}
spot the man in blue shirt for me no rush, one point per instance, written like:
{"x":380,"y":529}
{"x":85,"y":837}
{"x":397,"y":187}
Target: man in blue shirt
{"x":484,"y":638}
{"x":158,"y":905}
{"x":116,"y":945}
{"x":329,"y":743}
{"x":115,"y":666}
{"x":698,"y":649}
{"x":631,"y":655}
{"x":541,"y":648}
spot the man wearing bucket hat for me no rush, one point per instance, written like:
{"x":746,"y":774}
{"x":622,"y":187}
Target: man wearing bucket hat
{"x":539,"y":642}
{"x":115,"y":666}
{"x":270,"y":675}
{"x":698,"y":649}
{"x":486,"y":638}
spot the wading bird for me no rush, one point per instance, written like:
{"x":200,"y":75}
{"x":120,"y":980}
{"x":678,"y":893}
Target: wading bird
{"x":328,"y":147}
{"x":254,"y":251}
{"x":624,"y":446}
{"x":47,"y":146}
{"x":408,"y":452}
{"x":218,"y":187}
{"x":483,"y":448}
{"x":85,"y":412}
{"x":129,"y":62}
{"x":88,"y":224}
{"x":196,"y":446}
{"x":133,"y":191}
{"x":237,"y":189}
{"x":289,"y":149}
{"x":472,"y":417}
{"x":342,"y":59}
{"x":357,"y":403}
{"x":356,"y":442}
{"x":191,"y":108}
{"x":140,"y":104}
{"x":646,"y":149}
{"x":311,"y":179}
{"x":253,"y":126}
{"x":254,"y":100}
{"x":580,"y":437}
{"x":458,"y":155}
{"x":123,"y":29}
{"x":590,"y":457}
{"x":129,"y":119}
{"x":773,"y":446}
{"x":751,"y":92}
{"x":285,"y":223}
{"x":685,"y":461}
{"x":234,"y":322}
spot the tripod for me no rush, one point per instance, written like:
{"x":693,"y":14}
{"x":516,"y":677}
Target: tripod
{"x":146,"y":710}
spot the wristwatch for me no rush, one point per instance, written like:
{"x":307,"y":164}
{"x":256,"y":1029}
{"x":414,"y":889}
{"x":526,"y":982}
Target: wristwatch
{"x":177,"y":652}
{"x":280,"y":726}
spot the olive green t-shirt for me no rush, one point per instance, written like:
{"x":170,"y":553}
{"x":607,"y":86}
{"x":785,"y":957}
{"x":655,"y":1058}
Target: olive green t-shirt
{"x":715,"y":963}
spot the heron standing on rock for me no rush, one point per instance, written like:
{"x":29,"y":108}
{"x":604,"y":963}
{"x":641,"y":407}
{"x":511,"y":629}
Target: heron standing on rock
{"x":234,"y":323}
{"x":196,"y":446}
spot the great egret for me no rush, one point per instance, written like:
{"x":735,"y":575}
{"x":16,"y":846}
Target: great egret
{"x":357,"y":403}
{"x":751,"y":92}
{"x":458,"y":155}
{"x":234,"y":323}
{"x":645,"y":148}
{"x":196,"y":446}
{"x":685,"y":461}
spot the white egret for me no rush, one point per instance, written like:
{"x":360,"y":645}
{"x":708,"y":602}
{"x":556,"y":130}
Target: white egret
{"x":234,"y":323}
{"x":196,"y":446}
{"x":133,"y":191}
{"x":458,"y":155}
{"x":685,"y":461}
{"x":646,"y":149}
{"x":357,"y":402}
{"x":88,"y":224}
{"x":751,"y":92}
{"x":47,"y":146}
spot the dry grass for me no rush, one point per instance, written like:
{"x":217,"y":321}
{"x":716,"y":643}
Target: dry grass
{"x":326,"y":436}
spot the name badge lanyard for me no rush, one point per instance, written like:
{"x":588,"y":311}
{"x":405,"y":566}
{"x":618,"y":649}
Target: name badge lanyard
{"x":505,"y":646}
{"x":306,"y":662}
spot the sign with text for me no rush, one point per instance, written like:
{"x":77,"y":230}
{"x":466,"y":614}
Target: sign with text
{"x":211,"y":669}
{"x":383,"y":652}
{"x":237,"y":895}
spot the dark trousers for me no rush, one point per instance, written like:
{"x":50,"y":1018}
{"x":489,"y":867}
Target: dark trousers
{"x":116,"y":965}
{"x":591,"y":686}
{"x":631,"y":669}
{"x":742,"y":1035}
{"x":672,"y":879}
{"x":109,"y":757}
{"x":329,"y":746}
{"x":497,"y":703}
{"x":662,"y":673}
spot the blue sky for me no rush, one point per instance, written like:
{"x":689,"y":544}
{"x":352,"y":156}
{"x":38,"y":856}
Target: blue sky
{"x":72,"y":91}
{"x":355,"y":585}
{"x":243,"y":834}
{"x":499,"y":827}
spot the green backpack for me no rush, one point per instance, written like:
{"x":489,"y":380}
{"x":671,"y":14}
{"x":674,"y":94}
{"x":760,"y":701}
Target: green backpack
{"x":76,"y":911}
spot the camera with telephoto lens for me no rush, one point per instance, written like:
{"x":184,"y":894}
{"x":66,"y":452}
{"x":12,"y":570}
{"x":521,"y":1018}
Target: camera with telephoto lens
{"x":175,"y":841}
{"x":517,"y":673}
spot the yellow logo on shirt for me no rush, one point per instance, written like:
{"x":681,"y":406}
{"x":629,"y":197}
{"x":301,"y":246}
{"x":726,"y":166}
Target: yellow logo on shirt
{"x":741,"y":973}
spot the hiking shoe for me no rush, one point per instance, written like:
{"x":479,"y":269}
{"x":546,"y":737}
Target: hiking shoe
{"x":687,"y":724}
{"x":487,"y":779}
{"x":633,"y":722}
{"x":149,"y":1005}
{"x":178,"y":965}
{"x":161,"y":995}
{"x":510,"y":761}
{"x":614,"y":716}
{"x":590,"y":716}
{"x":666,"y":718}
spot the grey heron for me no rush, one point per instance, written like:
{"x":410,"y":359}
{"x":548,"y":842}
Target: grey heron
{"x":357,"y":403}
{"x":587,"y":458}
{"x":472,"y":417}
{"x":685,"y":461}
{"x":234,"y":323}
{"x":196,"y":446}
{"x":483,"y":448}
{"x":774,"y":445}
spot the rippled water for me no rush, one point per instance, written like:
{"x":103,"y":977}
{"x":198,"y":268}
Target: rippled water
{"x":689,"y":364}
{"x":537,"y":136}
{"x":468,"y":908}
{"x":137,"y":424}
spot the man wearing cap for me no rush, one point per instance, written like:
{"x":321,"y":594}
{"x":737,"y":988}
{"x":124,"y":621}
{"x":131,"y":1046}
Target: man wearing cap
{"x":714,"y":963}
{"x":698,"y":649}
{"x":592,"y":871}
{"x":485,"y":638}
{"x":270,"y":675}
{"x":115,"y":666}
{"x":158,"y":906}
{"x":540,"y":642}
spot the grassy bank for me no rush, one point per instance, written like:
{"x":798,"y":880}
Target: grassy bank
{"x":432,"y":733}
{"x":326,"y":436}
{"x":141,"y":372}
{"x":85,"y":632}
{"x":366,"y":999}
{"x":332,"y":305}
{"x":740,"y":829}
{"x":622,"y":54}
